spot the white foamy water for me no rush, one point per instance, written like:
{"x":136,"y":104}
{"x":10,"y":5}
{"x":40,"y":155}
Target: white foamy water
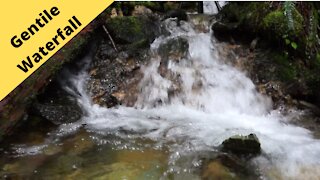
{"x":209,"y":7}
{"x":216,"y":101}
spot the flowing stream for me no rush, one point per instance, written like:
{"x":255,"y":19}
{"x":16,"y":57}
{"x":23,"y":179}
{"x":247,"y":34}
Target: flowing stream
{"x":215,"y":101}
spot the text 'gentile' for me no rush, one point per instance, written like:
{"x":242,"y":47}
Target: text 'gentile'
{"x":44,"y":18}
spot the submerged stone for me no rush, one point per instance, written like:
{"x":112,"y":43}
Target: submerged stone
{"x":242,"y":145}
{"x":215,"y":170}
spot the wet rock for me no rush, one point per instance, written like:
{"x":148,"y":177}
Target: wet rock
{"x":58,"y":167}
{"x":14,"y":167}
{"x":56,"y":104}
{"x":146,"y":164}
{"x":114,"y":13}
{"x":115,"y":76}
{"x":174,"y":49}
{"x":242,"y":145}
{"x":21,"y":168}
{"x":79,"y":144}
{"x":52,"y":150}
{"x":215,"y":170}
{"x":59,"y":114}
{"x":253,"y":44}
{"x":177,"y":13}
{"x":224,"y":31}
{"x":140,"y":10}
{"x":105,"y":99}
{"x":227,"y":166}
{"x":201,"y":22}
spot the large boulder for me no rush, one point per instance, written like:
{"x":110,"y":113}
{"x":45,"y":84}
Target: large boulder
{"x":131,"y":29}
{"x":224,"y":31}
{"x":59,"y":114}
{"x":242,"y":145}
{"x":57,"y":106}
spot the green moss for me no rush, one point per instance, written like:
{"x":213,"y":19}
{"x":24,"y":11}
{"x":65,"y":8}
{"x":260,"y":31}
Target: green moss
{"x":139,"y":44}
{"x":246,"y":14}
{"x":266,"y":19}
{"x":131,"y":29}
{"x":170,"y":6}
{"x":318,"y":59}
{"x":128,"y":26}
{"x":275,"y":20}
{"x":286,"y":70}
{"x":278,"y":23}
{"x":288,"y":73}
{"x":312,"y":38}
{"x":150,"y":4}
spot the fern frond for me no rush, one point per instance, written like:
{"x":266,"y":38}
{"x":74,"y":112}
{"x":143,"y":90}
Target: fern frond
{"x":313,"y":37}
{"x":289,"y":7}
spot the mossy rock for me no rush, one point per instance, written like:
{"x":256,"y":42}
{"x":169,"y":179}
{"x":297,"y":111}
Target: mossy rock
{"x":131,"y":29}
{"x":242,"y":145}
{"x":278,"y":22}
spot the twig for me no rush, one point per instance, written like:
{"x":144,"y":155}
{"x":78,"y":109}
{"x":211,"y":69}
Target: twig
{"x":218,"y":5}
{"x":113,"y":44}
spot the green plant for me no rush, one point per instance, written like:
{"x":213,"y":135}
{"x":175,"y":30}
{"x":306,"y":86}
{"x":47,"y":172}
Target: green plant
{"x":289,"y":42}
{"x":289,"y":7}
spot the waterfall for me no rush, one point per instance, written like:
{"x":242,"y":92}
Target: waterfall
{"x":209,"y":7}
{"x":215,"y":101}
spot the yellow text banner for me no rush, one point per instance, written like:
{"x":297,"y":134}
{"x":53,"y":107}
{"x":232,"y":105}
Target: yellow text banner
{"x":32,"y":31}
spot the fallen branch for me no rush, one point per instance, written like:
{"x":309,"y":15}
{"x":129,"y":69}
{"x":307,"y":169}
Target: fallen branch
{"x":113,"y":44}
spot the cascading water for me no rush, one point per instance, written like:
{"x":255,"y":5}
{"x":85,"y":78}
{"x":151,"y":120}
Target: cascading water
{"x":215,"y":101}
{"x":209,"y":7}
{"x":225,"y":104}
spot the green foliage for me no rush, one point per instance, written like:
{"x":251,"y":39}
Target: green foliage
{"x":294,"y":45}
{"x":289,"y":43}
{"x":283,"y":24}
{"x":286,"y":70}
{"x":312,"y":39}
{"x":289,"y":7}
{"x":276,"y":20}
{"x":286,"y":22}
{"x":317,"y":60}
